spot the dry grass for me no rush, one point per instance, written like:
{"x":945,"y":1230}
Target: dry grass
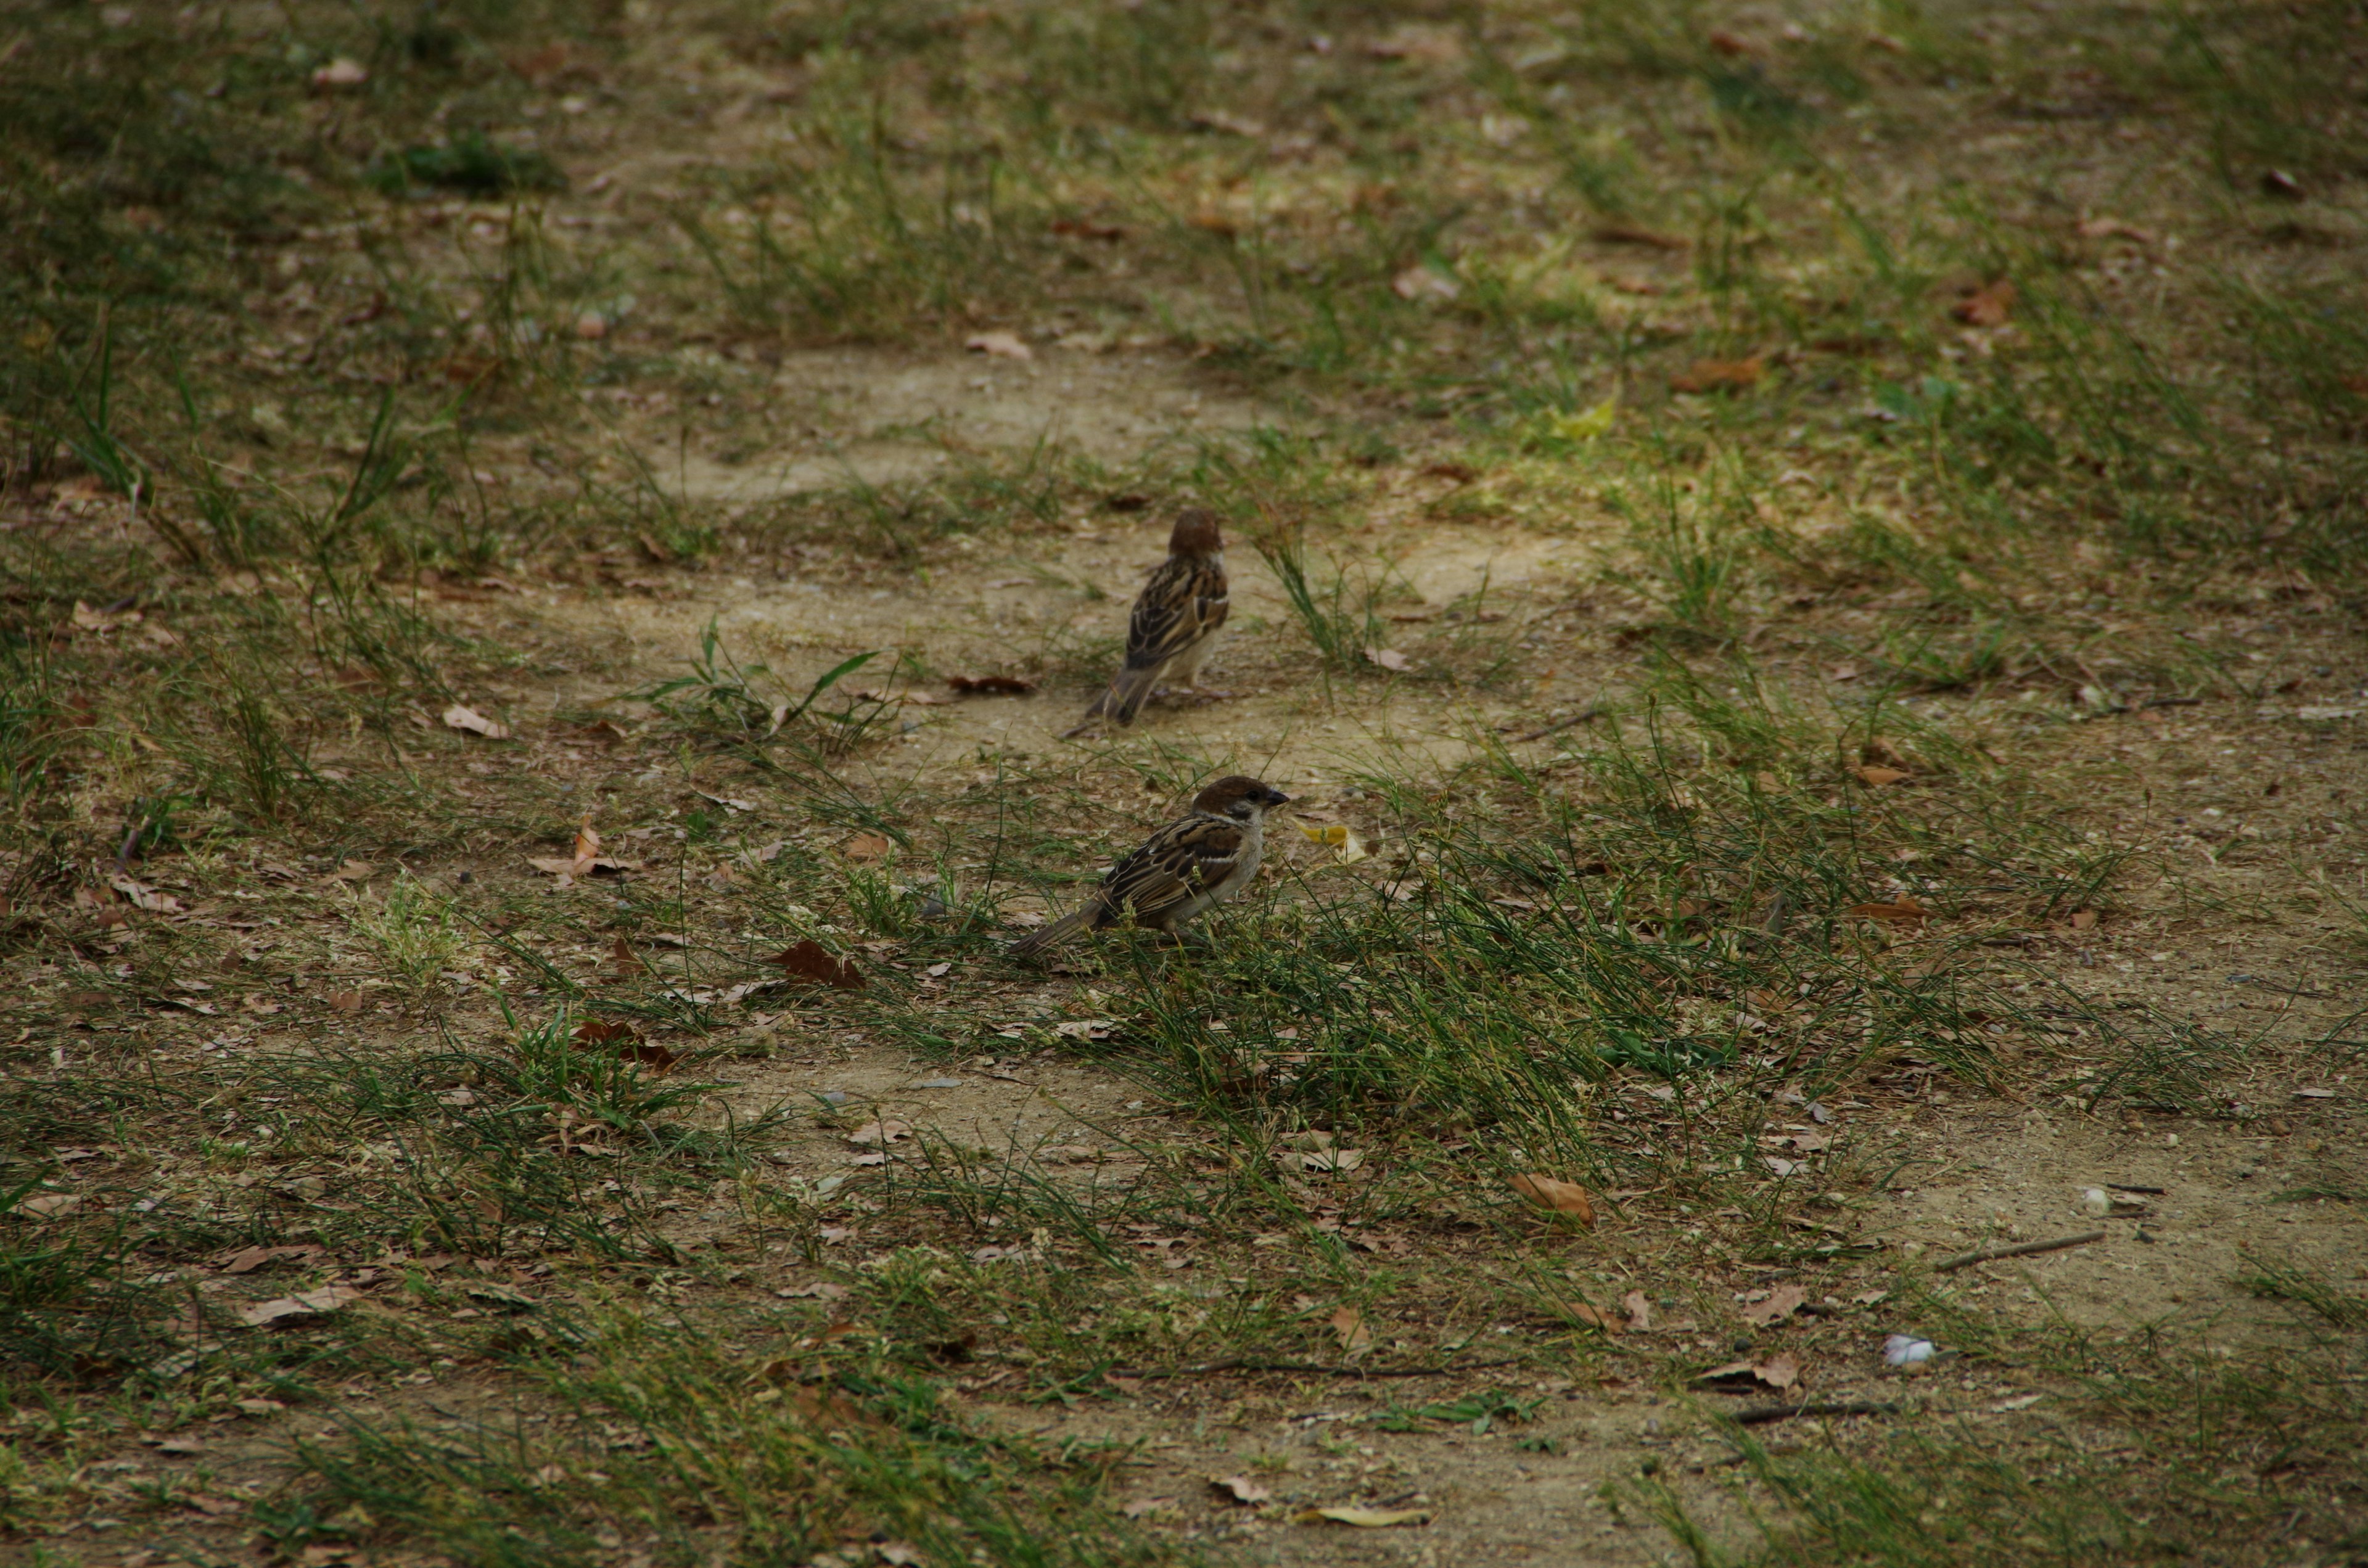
{"x":1957,"y":419}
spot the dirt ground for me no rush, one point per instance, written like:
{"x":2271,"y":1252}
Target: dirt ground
{"x":1803,"y":572}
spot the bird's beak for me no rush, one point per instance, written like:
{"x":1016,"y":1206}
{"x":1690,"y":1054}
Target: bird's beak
{"x":1277,"y":798}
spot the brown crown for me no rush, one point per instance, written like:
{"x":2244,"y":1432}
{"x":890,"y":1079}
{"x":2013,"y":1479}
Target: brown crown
{"x":1236,"y":787}
{"x":1196,"y":533}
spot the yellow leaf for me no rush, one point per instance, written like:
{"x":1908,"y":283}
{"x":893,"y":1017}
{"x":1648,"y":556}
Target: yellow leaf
{"x":1562,"y":1196}
{"x":1367,"y":1519}
{"x":1338,"y":836}
{"x":1588,"y":424}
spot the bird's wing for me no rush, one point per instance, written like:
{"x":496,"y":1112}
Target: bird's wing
{"x":1184,"y":602}
{"x":1175,"y":867}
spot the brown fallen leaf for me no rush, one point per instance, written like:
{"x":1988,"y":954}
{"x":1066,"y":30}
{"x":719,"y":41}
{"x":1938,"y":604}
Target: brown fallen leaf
{"x":47,"y":1206}
{"x":1776,"y":1372}
{"x":1424,"y":283}
{"x":1639,"y":1309}
{"x":141,"y":896}
{"x":1388,"y":658}
{"x":880,"y":1132}
{"x":1242,"y":1489}
{"x":1720,"y":375}
{"x":2114,"y":228}
{"x":459,"y":718}
{"x":1990,"y":305}
{"x":810,"y":960}
{"x":345,"y":1000}
{"x":2083,"y":919}
{"x":606,"y":1031}
{"x":625,"y":960}
{"x":1367,"y":1519}
{"x":991,"y":685}
{"x":1781,"y":1303}
{"x":999,"y":345}
{"x":1633,"y":234}
{"x":1086,"y":229}
{"x":1876,"y":777}
{"x":1729,"y":44}
{"x":1594,"y":1317}
{"x":246,"y":1260}
{"x":865,"y":847}
{"x":1562,"y":1196}
{"x":1349,"y":1324}
{"x":288,"y":1309}
{"x":213,"y":1508}
{"x":1906,"y":912}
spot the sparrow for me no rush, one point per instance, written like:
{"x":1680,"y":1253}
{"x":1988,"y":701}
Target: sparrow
{"x":1175,"y":618}
{"x":1204,"y":857}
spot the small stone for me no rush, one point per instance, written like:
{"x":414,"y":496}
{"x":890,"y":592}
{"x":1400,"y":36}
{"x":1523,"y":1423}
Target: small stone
{"x":2096,"y":1203}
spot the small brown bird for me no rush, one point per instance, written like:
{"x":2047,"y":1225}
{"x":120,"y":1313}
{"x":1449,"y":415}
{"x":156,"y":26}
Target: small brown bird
{"x":1204,"y":857}
{"x":1175,"y":618}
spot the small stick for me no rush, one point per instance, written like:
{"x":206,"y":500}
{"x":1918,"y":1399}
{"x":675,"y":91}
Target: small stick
{"x":2020,"y":1249}
{"x":1245,"y":1364}
{"x":1593,"y":710}
{"x":2125,"y":1186}
{"x":1760,"y":1415}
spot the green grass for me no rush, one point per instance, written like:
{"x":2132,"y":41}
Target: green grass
{"x":314,"y":377}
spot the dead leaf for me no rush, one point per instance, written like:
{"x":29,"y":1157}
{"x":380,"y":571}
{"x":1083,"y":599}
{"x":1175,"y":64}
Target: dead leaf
{"x":1242,"y":1489}
{"x":1639,"y":1309}
{"x":1781,"y":1303}
{"x":1349,"y":1324}
{"x":1777,"y":1372}
{"x":1729,"y":44}
{"x":345,"y":1000}
{"x":880,"y":1132}
{"x":1388,"y":658}
{"x":1593,"y":1316}
{"x":1137,"y":1507}
{"x":865,"y":847}
{"x":991,"y":685}
{"x":1331,"y":1162}
{"x":286,"y":1309}
{"x":1086,"y":229}
{"x":625,"y":960}
{"x":1990,"y":305}
{"x":1367,"y":1519}
{"x":459,"y":718}
{"x":2083,"y":919}
{"x":1876,"y":777}
{"x":342,"y":72}
{"x":1000,"y":345}
{"x":213,"y":1508}
{"x":2114,"y":228}
{"x":810,"y":960}
{"x":1720,"y":375}
{"x":1906,"y":912}
{"x":1424,"y":283}
{"x":246,"y":1260}
{"x":143,"y":896}
{"x":820,"y":1290}
{"x":47,"y":1206}
{"x":1634,"y":234}
{"x":605,"y":1031}
{"x":1562,"y":1196}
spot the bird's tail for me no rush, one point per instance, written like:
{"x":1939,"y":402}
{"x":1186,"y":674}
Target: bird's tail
{"x":1059,"y":931}
{"x":1128,"y":688}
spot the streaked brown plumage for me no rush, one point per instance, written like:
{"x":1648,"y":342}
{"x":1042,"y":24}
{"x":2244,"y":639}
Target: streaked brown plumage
{"x":1204,"y":857}
{"x":1175,"y":618}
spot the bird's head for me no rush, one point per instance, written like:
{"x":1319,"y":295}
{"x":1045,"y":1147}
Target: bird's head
{"x":1240,"y":798}
{"x":1196,"y":533}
